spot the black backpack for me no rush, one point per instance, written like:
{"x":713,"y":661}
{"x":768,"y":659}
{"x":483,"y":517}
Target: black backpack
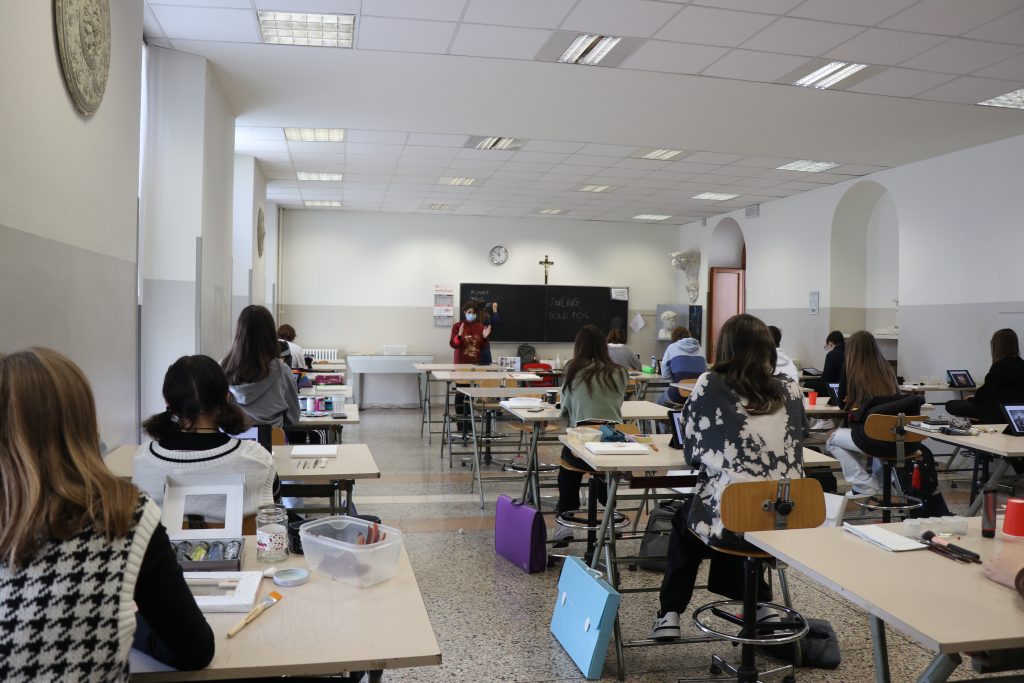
{"x":883,"y":405}
{"x":527,"y":354}
{"x":655,"y":540}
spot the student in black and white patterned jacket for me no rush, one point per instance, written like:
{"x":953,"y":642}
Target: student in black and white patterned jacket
{"x":742,"y":424}
{"x":80,"y":549}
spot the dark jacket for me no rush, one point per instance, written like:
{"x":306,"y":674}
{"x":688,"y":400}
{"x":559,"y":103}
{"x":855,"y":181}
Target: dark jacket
{"x":835,"y":360}
{"x":1004,"y":384}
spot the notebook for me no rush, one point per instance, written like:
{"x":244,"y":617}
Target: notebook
{"x":616,"y":448}
{"x":883,"y":538}
{"x":314,"y":451}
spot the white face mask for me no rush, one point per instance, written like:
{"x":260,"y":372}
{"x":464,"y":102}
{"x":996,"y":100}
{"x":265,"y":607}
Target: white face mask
{"x":470,"y":317}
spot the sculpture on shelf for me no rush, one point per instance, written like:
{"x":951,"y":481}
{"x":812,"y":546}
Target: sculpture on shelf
{"x":689,"y":263}
{"x":668,"y":323}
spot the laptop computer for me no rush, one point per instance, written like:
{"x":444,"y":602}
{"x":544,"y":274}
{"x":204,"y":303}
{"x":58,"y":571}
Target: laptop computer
{"x":833,"y":394}
{"x":675,"y":419}
{"x":960,"y":379}
{"x":1014,"y":418}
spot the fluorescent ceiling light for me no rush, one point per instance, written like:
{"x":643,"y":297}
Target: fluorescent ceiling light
{"x":304,"y":28}
{"x":807,"y":166}
{"x":595,"y":188}
{"x":313,"y":203}
{"x":315,"y":175}
{"x":651,"y":217}
{"x":588,"y":49}
{"x":716,"y":196}
{"x":498,"y":143}
{"x":658,"y":154}
{"x":455,"y":181}
{"x":1012,"y":100}
{"x":314,"y":134}
{"x":438,"y":207}
{"x":550,"y":212}
{"x":829,"y":75}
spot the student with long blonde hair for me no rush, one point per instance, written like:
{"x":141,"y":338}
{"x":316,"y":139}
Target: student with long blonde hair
{"x":79,"y":548}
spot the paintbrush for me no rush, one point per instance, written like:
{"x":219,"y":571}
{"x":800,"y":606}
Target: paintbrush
{"x":271,"y":598}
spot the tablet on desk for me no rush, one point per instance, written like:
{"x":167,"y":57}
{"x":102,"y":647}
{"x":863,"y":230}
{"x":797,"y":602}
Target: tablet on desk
{"x":833,"y":394}
{"x":675,"y":418}
{"x":1015,"y":419}
{"x":960,"y":379}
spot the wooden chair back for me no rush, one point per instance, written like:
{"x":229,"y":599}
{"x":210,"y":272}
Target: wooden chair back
{"x":619,"y":426}
{"x":277,"y":436}
{"x":742,"y":505}
{"x":882,"y":428}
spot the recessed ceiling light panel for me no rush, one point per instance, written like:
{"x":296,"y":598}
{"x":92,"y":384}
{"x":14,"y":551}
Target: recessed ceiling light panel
{"x":1011,"y":100}
{"x":455,"y":181}
{"x":494,"y":142}
{"x":651,"y":217}
{"x":316,"y":175}
{"x":807,"y":166}
{"x":588,"y":49}
{"x":438,"y":207}
{"x":314,"y":134}
{"x":550,"y":212}
{"x":304,"y":28}
{"x":715,"y":196}
{"x":595,"y":188}
{"x":322,"y":203}
{"x":659,"y":154}
{"x":828,"y":75}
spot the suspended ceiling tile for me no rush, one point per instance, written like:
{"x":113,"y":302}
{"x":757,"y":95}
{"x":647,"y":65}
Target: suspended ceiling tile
{"x":1006,"y":29}
{"x":707,"y":26}
{"x":860,"y":12}
{"x":639,"y":18}
{"x":897,"y":82}
{"x":216,"y":24}
{"x":949,"y":17}
{"x":961,"y":56}
{"x":881,"y":46}
{"x":801,"y":36}
{"x":438,"y":10}
{"x":524,"y":13}
{"x":754,"y":66}
{"x":657,"y":55}
{"x":1011,"y":69}
{"x":970,"y":90}
{"x":404,"y":35}
{"x":498,"y":41}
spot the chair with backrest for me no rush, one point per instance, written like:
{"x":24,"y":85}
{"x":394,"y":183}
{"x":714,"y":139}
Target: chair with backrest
{"x":891,"y":429}
{"x":544,"y":370}
{"x":782,"y":504}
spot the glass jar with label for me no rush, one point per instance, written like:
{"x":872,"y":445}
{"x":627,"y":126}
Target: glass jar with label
{"x":271,"y":533}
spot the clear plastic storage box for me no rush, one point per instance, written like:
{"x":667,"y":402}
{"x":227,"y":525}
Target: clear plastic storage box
{"x":331,"y":547}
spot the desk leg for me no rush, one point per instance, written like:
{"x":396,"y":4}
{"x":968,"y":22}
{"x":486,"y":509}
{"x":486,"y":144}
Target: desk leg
{"x":610,"y":553}
{"x":446,"y":428}
{"x":423,"y":407}
{"x":350,"y":508}
{"x":997,"y":473}
{"x":940,"y":668}
{"x":879,"y":649}
{"x":531,"y":485}
{"x":477,"y":479}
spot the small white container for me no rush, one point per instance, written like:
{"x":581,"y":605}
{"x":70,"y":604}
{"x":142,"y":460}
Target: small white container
{"x":584,"y":434}
{"x":331,"y":548}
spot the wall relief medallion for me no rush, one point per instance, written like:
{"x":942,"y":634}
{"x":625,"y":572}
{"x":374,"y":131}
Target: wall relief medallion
{"x":83,"y":42}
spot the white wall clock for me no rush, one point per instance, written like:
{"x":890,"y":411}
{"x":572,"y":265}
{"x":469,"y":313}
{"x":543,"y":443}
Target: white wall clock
{"x":498,"y":255}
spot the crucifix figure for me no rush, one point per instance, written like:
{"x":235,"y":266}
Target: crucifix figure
{"x":547,"y":264}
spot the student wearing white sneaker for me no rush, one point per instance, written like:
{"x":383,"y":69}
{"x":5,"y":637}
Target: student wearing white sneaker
{"x":742,"y":423}
{"x":593,"y":389}
{"x":868,"y":376}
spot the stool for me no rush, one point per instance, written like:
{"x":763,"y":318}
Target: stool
{"x":760,"y":506}
{"x":891,"y":429}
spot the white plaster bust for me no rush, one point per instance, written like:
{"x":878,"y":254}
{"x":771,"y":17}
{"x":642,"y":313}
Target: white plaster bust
{"x":668,"y":323}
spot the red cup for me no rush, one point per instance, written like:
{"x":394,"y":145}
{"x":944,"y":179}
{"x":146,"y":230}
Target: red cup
{"x":812,"y":398}
{"x":1013,"y":521}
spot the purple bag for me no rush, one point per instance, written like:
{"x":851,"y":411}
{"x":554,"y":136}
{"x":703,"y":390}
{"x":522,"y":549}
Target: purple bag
{"x":520,"y":535}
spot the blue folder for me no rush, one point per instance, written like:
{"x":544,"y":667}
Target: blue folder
{"x":584,"y":616}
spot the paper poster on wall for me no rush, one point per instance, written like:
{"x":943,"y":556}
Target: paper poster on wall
{"x":620,"y":293}
{"x":812,"y":303}
{"x":637,"y":323}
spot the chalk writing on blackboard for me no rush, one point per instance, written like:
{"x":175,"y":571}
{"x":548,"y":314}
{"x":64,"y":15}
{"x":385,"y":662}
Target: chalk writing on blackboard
{"x":567,"y":308}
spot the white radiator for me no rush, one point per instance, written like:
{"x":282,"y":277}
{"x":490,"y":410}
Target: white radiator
{"x":321,"y":354}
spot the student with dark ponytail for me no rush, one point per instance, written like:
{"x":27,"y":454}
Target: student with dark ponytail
{"x":194,"y":436}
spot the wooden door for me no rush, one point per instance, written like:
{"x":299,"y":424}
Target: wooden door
{"x":726,"y":298}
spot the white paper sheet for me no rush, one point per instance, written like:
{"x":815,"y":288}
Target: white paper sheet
{"x":637,"y":323}
{"x":314,"y":451}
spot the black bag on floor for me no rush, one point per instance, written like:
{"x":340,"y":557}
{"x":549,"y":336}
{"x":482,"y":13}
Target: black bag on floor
{"x":934,"y":505}
{"x":819,"y":649}
{"x":655,"y":540}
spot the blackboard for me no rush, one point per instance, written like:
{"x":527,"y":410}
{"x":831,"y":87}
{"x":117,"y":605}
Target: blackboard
{"x":548,"y":313}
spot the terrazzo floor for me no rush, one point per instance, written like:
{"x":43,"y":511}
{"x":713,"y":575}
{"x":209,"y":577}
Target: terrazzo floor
{"x":491,"y":619}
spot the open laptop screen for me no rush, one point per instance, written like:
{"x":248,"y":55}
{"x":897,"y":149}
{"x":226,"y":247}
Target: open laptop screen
{"x":960,"y":379}
{"x":833,"y":394}
{"x":1015,"y":418}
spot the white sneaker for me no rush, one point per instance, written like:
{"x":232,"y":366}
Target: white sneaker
{"x":665,"y":627}
{"x":563,"y":534}
{"x":821,"y":425}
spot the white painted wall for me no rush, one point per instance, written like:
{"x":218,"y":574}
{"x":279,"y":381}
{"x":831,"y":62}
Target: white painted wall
{"x":381,"y":269}
{"x":270,"y":256}
{"x":68,"y":203}
{"x":960,"y":234}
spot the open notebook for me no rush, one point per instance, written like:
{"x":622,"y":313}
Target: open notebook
{"x":616,"y":448}
{"x":883,"y":538}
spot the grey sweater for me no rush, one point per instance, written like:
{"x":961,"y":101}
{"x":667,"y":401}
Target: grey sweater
{"x":624,"y":356}
{"x":274,"y":400}
{"x":603,"y":404}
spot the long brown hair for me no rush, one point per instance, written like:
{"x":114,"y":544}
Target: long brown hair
{"x":255,"y":347}
{"x":745,"y":357}
{"x":53,"y":483}
{"x":590,"y":360}
{"x":868,"y":374}
{"x":1004,"y":344}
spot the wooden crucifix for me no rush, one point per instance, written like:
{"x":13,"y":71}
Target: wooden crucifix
{"x":547,"y":263}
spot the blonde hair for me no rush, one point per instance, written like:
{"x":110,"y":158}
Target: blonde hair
{"x":53,"y":482}
{"x":868,"y":373}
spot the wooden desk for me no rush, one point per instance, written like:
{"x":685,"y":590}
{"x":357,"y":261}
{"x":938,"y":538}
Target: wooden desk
{"x":822,"y":409}
{"x":353,"y":461}
{"x":333,"y":427}
{"x":450,"y":367}
{"x":954,"y":609}
{"x":322,"y":627}
{"x":987,"y":445}
{"x":923,"y":388}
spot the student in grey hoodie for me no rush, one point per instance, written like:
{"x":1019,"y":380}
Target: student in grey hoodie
{"x":619,"y":352}
{"x":261,"y":383}
{"x":683,"y":359}
{"x":784,"y":365}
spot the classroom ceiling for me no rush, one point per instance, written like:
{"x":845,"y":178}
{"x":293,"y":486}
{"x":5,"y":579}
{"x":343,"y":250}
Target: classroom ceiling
{"x":712,"y":78}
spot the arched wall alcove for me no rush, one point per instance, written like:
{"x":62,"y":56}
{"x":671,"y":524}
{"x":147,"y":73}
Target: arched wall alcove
{"x":864,"y":282}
